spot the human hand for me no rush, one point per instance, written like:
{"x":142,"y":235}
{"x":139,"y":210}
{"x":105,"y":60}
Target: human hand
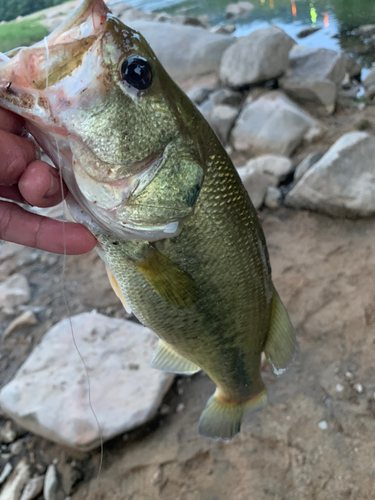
{"x":25,"y":179}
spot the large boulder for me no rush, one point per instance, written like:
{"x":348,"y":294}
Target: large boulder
{"x":185,"y":51}
{"x":313,"y":78}
{"x":342,"y":182}
{"x":49,"y":394}
{"x":271,"y":124}
{"x":255,"y":58}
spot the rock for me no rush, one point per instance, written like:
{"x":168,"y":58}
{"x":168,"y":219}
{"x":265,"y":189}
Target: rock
{"x":52,"y":489}
{"x":316,"y":64}
{"x":256,"y":184}
{"x":271,"y":124}
{"x":227,"y":29}
{"x":358,"y":388}
{"x":194,"y":51}
{"x":222,"y":120}
{"x":352,"y":68}
{"x":13,"y":487}
{"x":306,"y":164}
{"x":346,"y":83}
{"x":260,"y":56}
{"x":187,"y":20}
{"x":370,"y":92}
{"x":206,"y":109}
{"x":275,"y":168}
{"x":339,"y":388}
{"x":365,"y":30}
{"x":273,"y":198}
{"x":369,"y":81}
{"x":199,"y":94}
{"x":122,"y":398}
{"x":6,"y":472}
{"x":16,"y":447}
{"x":323,"y":425}
{"x":342,"y":182}
{"x":14,"y":292}
{"x":226,"y":97}
{"x":238,"y":9}
{"x":127,"y":16}
{"x":307,"y":32}
{"x":27,"y":318}
{"x":7,"y":433}
{"x":313,"y":77}
{"x":33,"y":488}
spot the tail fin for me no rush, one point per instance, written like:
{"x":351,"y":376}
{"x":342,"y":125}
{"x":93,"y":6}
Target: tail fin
{"x":222,"y":419}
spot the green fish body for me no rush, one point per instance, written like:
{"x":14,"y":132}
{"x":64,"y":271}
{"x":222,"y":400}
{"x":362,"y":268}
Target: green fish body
{"x":181,"y":239}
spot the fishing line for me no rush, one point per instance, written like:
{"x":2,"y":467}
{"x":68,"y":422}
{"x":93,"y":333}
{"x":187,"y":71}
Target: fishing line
{"x":63,"y":289}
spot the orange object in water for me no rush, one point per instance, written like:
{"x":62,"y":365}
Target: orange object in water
{"x":326,"y":19}
{"x":294,"y":8}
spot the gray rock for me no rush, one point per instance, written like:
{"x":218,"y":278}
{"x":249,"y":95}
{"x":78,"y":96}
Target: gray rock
{"x":238,"y":9}
{"x":352,"y":68}
{"x":7,"y":433}
{"x":271,"y":124}
{"x":13,"y":487}
{"x":256,"y":184}
{"x":365,"y":30}
{"x":307,"y":32}
{"x":16,"y":447}
{"x":306,"y":164}
{"x":316,"y":64}
{"x":199,"y":94}
{"x":194,"y":51}
{"x":226,"y":97}
{"x":273,"y":198}
{"x":206,"y":109}
{"x":222,"y":120}
{"x":275,"y":168}
{"x":187,"y":20}
{"x":318,"y":96}
{"x":260,"y":56}
{"x":27,"y":318}
{"x":370,"y":92}
{"x":14,"y":292}
{"x":123,"y":398}
{"x":33,"y":488}
{"x":342,"y":182}
{"x":52,"y":489}
{"x":5,"y":473}
{"x":227,"y":29}
{"x":369,"y":81}
{"x":346,"y":83}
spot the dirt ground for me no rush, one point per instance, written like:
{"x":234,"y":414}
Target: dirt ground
{"x":324,"y":270}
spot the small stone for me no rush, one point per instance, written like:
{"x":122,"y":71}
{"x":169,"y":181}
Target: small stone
{"x":165,"y":410}
{"x":14,"y":292}
{"x":227,"y":29}
{"x":16,"y":482}
{"x":273,"y":198}
{"x":180,"y":408}
{"x":180,"y":391}
{"x":276,"y":168}
{"x":239,"y":9}
{"x":51,"y":485}
{"x":27,"y":318}
{"x":33,"y":488}
{"x":361,"y":106}
{"x":5,"y":472}
{"x":339,"y":388}
{"x":307,"y":32}
{"x":358,"y":388}
{"x":323,"y":425}
{"x":226,"y":97}
{"x":7,"y":433}
{"x":157,"y":478}
{"x":133,"y":366}
{"x":349,"y":375}
{"x":255,"y":183}
{"x":16,"y":447}
{"x":199,"y":94}
{"x":222,"y":120}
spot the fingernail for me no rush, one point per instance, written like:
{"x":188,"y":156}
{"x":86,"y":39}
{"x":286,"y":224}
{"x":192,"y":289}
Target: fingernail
{"x":54,"y":187}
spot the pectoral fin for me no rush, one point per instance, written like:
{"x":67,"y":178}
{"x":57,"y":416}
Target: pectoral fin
{"x":281,"y":341}
{"x":168,"y":280}
{"x":168,"y":360}
{"x":117,"y":290}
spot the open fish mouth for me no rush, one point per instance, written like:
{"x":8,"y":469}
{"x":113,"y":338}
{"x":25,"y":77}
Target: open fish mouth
{"x":123,"y":171}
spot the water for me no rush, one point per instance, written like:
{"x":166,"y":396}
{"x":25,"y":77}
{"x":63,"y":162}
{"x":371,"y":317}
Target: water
{"x":336,"y":18}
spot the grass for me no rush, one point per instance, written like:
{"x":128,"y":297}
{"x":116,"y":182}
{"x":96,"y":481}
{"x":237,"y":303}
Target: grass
{"x":21,"y":33}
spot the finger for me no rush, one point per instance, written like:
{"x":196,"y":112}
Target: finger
{"x":16,"y":154}
{"x":35,"y":231}
{"x":40,"y":185}
{"x":9,"y":122}
{"x":11,"y":193}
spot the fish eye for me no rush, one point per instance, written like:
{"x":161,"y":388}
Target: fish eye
{"x":136,"y":72}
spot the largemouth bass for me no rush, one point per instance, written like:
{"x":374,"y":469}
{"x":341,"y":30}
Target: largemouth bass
{"x":178,"y":233}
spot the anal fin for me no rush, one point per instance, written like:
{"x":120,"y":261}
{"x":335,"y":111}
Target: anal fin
{"x":221,"y":419}
{"x":117,"y":290}
{"x":167,"y":359}
{"x":281,"y":341}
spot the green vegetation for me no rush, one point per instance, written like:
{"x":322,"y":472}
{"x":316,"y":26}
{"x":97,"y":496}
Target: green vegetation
{"x":20,"y":33}
{"x":10,"y":9}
